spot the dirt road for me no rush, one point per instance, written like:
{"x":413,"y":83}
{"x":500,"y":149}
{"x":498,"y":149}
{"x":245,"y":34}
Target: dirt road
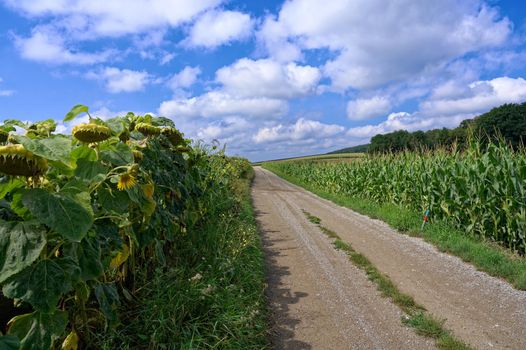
{"x":321,"y":301}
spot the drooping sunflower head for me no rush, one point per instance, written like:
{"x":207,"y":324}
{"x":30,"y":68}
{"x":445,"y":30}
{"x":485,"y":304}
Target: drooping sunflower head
{"x":17,"y":161}
{"x":124,"y":136}
{"x":3,"y":136}
{"x":147,"y":129}
{"x":90,"y":133}
{"x":134,"y":169}
{"x":137,"y":155}
{"x":173,"y":135}
{"x":148,"y":190}
{"x":12,"y":139}
{"x":126,"y":181}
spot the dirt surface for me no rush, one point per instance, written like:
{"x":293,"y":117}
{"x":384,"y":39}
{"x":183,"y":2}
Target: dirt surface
{"x":321,"y":301}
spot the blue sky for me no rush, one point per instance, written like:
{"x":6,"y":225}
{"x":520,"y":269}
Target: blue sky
{"x":268,"y":78}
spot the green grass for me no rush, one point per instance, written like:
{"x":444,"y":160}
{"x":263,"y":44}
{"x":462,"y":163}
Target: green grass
{"x":426,"y":325}
{"x":423,"y":322}
{"x":210,"y":296}
{"x":313,"y":219}
{"x":484,"y":255}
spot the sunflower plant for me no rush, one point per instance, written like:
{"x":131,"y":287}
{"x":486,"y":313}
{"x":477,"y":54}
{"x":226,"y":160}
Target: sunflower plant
{"x":80,"y":214}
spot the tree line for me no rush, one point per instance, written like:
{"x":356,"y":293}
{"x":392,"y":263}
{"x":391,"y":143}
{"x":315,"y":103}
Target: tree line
{"x":507,"y":122}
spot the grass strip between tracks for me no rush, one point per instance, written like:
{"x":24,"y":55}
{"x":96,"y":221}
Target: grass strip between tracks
{"x":417,"y":317}
{"x":484,"y":255}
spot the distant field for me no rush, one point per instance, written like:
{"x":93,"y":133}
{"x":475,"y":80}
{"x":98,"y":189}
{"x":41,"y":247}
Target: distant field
{"x":324,"y":157}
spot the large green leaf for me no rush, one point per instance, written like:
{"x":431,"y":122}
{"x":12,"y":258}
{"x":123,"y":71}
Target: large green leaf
{"x":116,"y":125}
{"x":56,"y":148}
{"x":38,"y":331}
{"x":108,"y":299}
{"x":20,"y":245}
{"x":44,"y":283}
{"x":17,"y":206}
{"x":14,"y":122}
{"x":118,"y":154}
{"x":78,"y":190}
{"x":61,"y":212}
{"x":9,"y":342}
{"x":114,"y":201}
{"x":91,"y":171}
{"x":8,"y":184}
{"x":89,"y":257}
{"x":83,"y":152}
{"x":76,"y":110}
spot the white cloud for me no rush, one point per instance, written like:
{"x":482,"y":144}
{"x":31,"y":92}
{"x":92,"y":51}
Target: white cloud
{"x":449,"y":104}
{"x":366,"y":108}
{"x":381,"y":41}
{"x":184,"y":79}
{"x":477,"y":97}
{"x":99,"y":18}
{"x":217,"y":104}
{"x":268,"y":78}
{"x":406,"y":121}
{"x":121,"y":80}
{"x":5,"y":93}
{"x":226,"y":130}
{"x":166,"y":58}
{"x":215,"y":28}
{"x":48,"y":46}
{"x":301,"y":130}
{"x":273,"y":37}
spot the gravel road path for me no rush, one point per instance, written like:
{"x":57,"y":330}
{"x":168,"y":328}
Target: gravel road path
{"x":320,"y":300}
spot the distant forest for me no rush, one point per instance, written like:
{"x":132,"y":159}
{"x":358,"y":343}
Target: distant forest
{"x":507,"y":122}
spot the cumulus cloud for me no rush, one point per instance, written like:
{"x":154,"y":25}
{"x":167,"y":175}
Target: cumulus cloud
{"x":477,"y":97}
{"x":184,"y":79}
{"x":121,"y":80}
{"x":273,"y":37}
{"x":100,"y":18}
{"x":218,"y":103}
{"x":268,"y":78}
{"x":301,"y":130}
{"x":449,"y":104}
{"x":366,"y":108}
{"x":166,"y":58}
{"x":380,"y":41}
{"x":248,"y":88}
{"x":215,"y":28}
{"x":48,"y":46}
{"x":4,"y":92}
{"x":226,"y":129}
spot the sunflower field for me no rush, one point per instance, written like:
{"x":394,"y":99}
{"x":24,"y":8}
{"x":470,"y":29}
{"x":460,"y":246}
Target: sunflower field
{"x":82,"y":215}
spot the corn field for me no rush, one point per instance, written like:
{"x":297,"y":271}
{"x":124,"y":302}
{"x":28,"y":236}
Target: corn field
{"x":481,"y":192}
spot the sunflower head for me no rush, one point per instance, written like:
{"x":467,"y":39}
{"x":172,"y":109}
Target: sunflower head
{"x":90,"y":133}
{"x":173,"y":135}
{"x":147,"y":129}
{"x":126,"y":181}
{"x":148,"y":190}
{"x":3,"y":136}
{"x":124,"y":136}
{"x":12,"y":139}
{"x":16,"y":160}
{"x":137,"y":155}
